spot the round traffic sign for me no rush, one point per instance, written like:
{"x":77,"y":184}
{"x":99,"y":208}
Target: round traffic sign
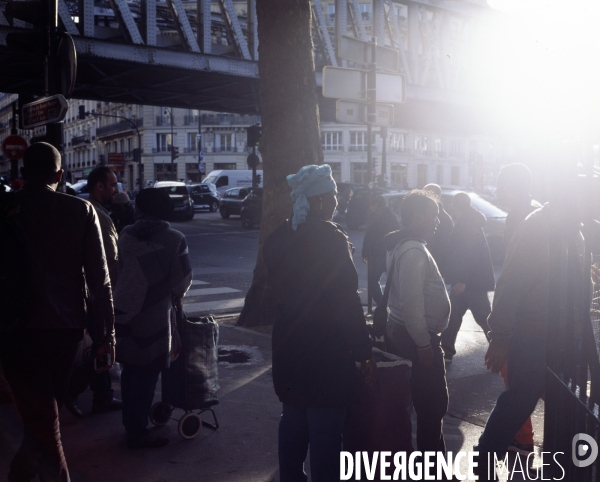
{"x":14,"y":147}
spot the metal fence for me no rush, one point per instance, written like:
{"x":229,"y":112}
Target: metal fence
{"x":572,"y":407}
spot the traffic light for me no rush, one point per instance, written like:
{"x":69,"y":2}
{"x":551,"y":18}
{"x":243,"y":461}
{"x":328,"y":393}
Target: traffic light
{"x":254,"y":133}
{"x":258,"y":179}
{"x":174,"y":152}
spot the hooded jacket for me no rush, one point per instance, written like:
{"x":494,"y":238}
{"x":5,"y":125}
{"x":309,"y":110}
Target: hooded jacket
{"x":154,"y":267}
{"x":468,"y":258}
{"x":418,"y":298}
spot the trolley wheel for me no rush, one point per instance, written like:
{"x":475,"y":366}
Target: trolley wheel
{"x":160,"y":413}
{"x":189,"y":425}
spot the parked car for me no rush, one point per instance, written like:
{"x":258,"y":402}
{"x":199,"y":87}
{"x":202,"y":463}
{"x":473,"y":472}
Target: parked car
{"x":205,"y":195}
{"x":232,"y":201}
{"x":183,"y":204}
{"x":251,"y":211}
{"x":82,"y":191}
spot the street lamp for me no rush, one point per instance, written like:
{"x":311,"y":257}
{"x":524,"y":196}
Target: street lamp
{"x":137,"y":157}
{"x":174,"y":150}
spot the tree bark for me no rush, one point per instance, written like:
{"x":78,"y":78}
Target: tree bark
{"x":290,"y":125}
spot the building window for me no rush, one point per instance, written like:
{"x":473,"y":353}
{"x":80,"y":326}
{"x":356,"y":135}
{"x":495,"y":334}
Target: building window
{"x":358,"y":141}
{"x":399,"y":175}
{"x":162,"y":172}
{"x":191,"y":141}
{"x":421,"y":175}
{"x":397,"y":140}
{"x":163,"y":141}
{"x":421,"y":144}
{"x":437,"y":146}
{"x":455,"y":176}
{"x":336,"y":170}
{"x":332,"y":141}
{"x":360,"y":173}
{"x":122,"y":145}
{"x":365,"y":10}
{"x":456,"y":148}
{"x":230,"y":166}
{"x":225,"y":143}
{"x":440,"y":175}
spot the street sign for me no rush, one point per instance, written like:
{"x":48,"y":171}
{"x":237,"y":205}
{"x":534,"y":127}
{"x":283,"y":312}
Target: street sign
{"x":116,"y":158}
{"x":356,"y":50}
{"x":351,"y":84}
{"x":14,"y":147}
{"x":340,"y":83}
{"x":353,"y":112}
{"x":253,"y":160}
{"x":44,"y":111}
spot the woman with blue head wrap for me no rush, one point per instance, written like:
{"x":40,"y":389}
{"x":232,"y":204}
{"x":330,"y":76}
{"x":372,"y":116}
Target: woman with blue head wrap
{"x":319,"y":332}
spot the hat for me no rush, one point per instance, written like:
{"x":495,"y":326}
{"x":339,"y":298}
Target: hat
{"x":309,"y":181}
{"x":154,"y":202}
{"x":121,"y":198}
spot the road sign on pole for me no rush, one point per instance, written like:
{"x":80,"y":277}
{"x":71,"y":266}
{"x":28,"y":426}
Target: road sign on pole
{"x":351,"y":84}
{"x":355,"y":112}
{"x":44,"y":111}
{"x":360,"y":51}
{"x":14,"y":147}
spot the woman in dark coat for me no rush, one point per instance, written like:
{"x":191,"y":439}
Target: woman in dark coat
{"x":320,"y":331}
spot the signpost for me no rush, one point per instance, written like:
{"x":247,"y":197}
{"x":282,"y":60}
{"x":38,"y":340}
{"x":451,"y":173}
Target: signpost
{"x":363,"y":94}
{"x":14,"y":147}
{"x":355,"y":112}
{"x":44,"y":111}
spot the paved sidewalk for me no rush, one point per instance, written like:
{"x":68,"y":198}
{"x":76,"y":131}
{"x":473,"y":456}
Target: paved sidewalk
{"x":244,"y":448}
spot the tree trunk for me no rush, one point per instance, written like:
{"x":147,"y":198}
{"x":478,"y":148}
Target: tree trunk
{"x":290,"y":125}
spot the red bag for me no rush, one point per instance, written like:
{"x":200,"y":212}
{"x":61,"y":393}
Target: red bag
{"x":380,"y":419}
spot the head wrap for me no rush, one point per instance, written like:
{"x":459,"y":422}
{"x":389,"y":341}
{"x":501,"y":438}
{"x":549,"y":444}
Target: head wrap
{"x":309,"y":181}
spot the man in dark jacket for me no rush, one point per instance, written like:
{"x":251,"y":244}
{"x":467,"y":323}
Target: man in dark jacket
{"x":63,"y":239}
{"x":383,"y":221}
{"x":469,"y":271}
{"x":438,"y":243}
{"x":319,"y":331}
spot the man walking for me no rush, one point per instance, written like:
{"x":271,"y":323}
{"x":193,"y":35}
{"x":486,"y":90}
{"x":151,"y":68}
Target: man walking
{"x":64,"y":244}
{"x":102,"y":188}
{"x":469,"y":271}
{"x":419,"y":309}
{"x":438,"y":243}
{"x":383,"y":221}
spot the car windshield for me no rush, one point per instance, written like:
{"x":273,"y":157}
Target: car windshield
{"x":211,"y":180}
{"x":177,"y":190}
{"x":78,"y":185}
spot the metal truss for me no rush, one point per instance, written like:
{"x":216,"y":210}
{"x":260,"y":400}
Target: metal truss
{"x":143,"y":51}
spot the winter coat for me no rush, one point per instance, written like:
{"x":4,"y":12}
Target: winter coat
{"x":382,"y":223}
{"x":438,"y":244}
{"x":154,"y":269}
{"x":468,"y":258}
{"x":418,"y":297}
{"x":320,"y":330}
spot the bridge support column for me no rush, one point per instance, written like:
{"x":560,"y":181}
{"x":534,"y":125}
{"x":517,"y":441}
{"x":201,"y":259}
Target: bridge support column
{"x":414,"y":41}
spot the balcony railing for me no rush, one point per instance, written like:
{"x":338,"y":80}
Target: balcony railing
{"x":78,"y":140}
{"x":163,"y":120}
{"x":190,"y":120}
{"x":226,"y":149}
{"x":118,"y":127}
{"x":229,"y":119}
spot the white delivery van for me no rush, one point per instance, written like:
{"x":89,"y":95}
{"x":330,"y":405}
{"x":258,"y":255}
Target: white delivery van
{"x":226,"y":179}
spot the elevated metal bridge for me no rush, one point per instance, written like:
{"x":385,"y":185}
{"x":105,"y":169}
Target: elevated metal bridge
{"x":203,"y":54}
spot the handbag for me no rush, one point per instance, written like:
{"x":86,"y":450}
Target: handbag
{"x":176,"y":344}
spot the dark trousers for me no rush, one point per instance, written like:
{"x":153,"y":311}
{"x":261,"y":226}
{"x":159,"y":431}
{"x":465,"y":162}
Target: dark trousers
{"x":526,"y":385}
{"x":137,"y":391}
{"x":37,"y":366}
{"x":376,"y":269}
{"x":475,"y":300}
{"x":428,"y":389}
{"x":318,"y":428}
{"x":85,"y":375}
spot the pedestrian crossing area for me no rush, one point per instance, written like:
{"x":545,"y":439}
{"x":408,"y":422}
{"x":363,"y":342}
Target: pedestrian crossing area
{"x":200,"y":299}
